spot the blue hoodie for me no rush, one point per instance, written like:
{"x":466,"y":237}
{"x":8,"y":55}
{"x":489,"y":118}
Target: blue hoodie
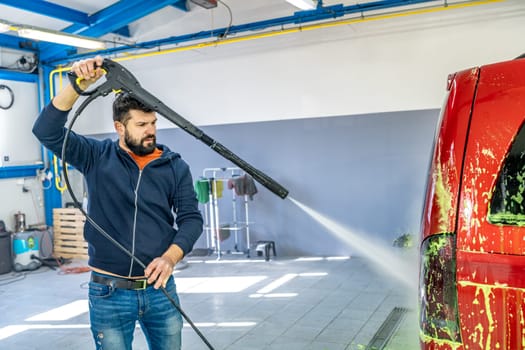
{"x":135,"y":207}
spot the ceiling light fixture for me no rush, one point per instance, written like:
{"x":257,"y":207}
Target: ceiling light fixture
{"x":303,"y":4}
{"x":4,"y":27}
{"x":60,"y":38}
{"x":53,"y":36}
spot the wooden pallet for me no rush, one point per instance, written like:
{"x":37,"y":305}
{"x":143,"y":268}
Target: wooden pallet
{"x":68,"y":231}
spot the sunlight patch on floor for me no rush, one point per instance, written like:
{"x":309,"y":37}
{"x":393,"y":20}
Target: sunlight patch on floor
{"x":214,"y":285}
{"x":62,"y":313}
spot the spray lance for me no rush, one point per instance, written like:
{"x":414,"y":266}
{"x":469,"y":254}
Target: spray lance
{"x":119,"y":79}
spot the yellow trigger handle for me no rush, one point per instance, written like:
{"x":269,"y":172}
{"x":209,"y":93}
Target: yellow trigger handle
{"x":75,"y":82}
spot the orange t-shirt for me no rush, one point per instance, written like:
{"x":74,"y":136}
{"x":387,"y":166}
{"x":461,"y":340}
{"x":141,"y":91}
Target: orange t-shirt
{"x":142,"y":161}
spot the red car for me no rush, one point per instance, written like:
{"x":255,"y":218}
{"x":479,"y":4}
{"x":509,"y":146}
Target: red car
{"x":472,"y":267}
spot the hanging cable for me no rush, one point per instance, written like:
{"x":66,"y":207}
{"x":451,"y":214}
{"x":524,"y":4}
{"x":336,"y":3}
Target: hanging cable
{"x":11,"y":96}
{"x":223,"y":35}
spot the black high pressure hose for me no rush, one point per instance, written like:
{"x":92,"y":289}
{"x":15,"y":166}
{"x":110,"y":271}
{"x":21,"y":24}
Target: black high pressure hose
{"x":101,"y":230}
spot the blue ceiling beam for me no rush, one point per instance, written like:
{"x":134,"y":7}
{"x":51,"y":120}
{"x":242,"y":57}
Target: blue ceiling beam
{"x":97,"y":19}
{"x":18,"y":76}
{"x":108,"y":20}
{"x":335,"y":11}
{"x":16,"y":43}
{"x":81,"y":21}
{"x":49,"y":9}
{"x":124,"y":31}
{"x":300,"y":17}
{"x":181,"y":5}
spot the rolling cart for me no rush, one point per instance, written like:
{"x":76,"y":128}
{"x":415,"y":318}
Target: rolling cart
{"x":216,"y":227}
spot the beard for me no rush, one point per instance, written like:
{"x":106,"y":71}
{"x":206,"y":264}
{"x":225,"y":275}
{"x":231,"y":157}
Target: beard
{"x":138,"y":147}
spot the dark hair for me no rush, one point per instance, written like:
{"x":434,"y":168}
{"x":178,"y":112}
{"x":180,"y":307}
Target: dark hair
{"x":123,"y":103}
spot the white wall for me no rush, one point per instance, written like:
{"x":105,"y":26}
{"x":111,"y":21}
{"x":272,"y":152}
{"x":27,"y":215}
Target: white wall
{"x":18,"y":143}
{"x":379,"y":66}
{"x":16,"y":140}
{"x":15,"y":199}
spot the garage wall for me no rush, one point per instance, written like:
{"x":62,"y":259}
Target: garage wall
{"x":366,"y":172}
{"x":19,"y":147}
{"x":17,"y":144}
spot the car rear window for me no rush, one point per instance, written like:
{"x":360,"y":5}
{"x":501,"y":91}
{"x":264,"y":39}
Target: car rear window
{"x":507,"y":205}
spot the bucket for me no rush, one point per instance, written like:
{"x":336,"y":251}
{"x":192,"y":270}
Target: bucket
{"x":5,"y":253}
{"x":25,"y":248}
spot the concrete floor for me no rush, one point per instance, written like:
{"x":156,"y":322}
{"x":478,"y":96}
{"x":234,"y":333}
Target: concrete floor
{"x":237,"y":303}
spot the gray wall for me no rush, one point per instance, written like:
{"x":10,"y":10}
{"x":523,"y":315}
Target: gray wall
{"x":366,"y":172}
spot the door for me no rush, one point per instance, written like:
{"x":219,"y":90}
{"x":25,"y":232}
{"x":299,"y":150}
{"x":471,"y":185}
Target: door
{"x":491,"y":214}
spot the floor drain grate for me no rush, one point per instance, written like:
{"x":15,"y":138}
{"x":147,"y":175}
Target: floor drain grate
{"x":387,"y":329}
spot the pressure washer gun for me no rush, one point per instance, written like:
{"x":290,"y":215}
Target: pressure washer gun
{"x":119,"y":79}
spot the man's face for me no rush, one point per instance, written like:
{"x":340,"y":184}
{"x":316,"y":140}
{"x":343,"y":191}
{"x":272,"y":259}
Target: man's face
{"x":139,"y":132}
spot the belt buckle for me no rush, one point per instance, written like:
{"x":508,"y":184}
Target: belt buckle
{"x":144,"y":284}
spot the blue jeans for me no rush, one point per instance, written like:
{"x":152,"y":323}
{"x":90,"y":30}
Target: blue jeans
{"x":114,"y":312}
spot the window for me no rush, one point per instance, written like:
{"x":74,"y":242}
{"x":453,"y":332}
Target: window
{"x":507,"y":206}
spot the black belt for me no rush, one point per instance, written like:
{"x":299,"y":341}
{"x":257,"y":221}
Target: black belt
{"x":122,"y":283}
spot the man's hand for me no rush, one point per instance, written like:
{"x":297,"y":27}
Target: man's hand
{"x":88,"y":71}
{"x":161,"y":268}
{"x":159,"y":271}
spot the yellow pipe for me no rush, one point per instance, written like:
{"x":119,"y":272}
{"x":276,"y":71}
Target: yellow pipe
{"x":58,"y":180}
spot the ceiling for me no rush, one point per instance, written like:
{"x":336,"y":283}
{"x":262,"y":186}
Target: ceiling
{"x":151,"y":24}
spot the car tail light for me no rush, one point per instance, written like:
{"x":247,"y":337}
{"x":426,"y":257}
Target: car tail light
{"x":438,"y":294}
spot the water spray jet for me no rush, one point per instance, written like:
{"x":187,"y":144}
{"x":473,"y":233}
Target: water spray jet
{"x":373,"y":251}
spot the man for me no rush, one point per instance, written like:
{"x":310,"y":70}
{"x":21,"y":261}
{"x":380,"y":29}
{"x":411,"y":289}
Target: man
{"x":134,"y":186}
